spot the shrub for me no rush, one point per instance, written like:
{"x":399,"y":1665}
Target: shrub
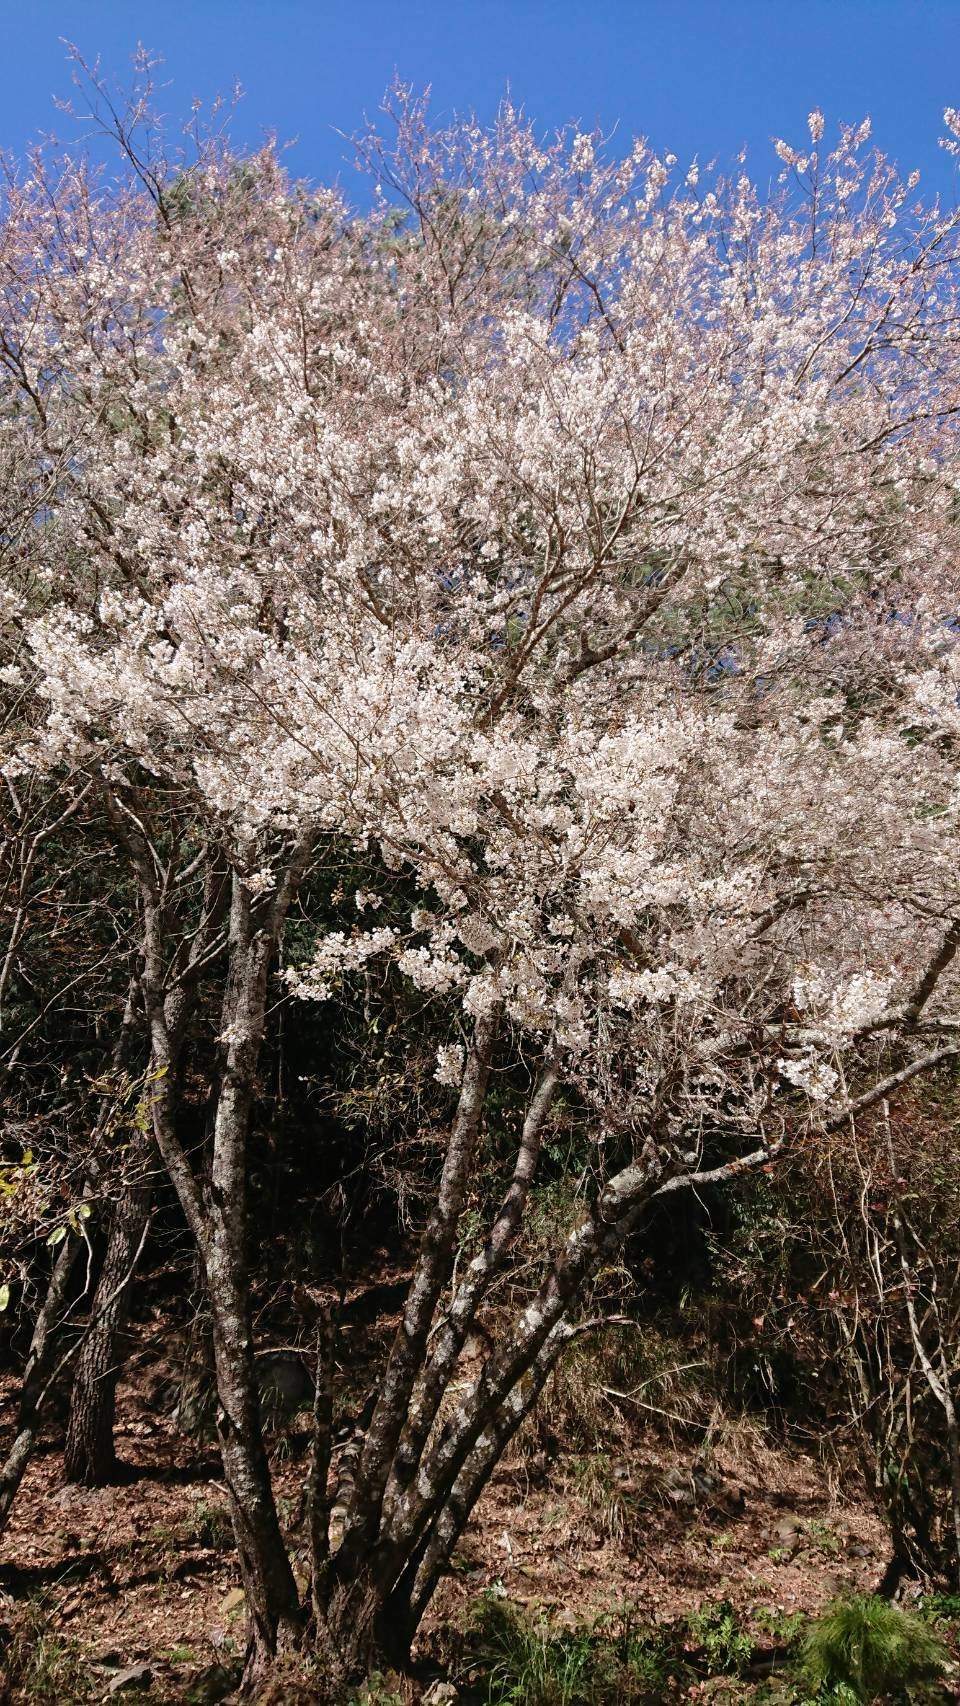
{"x":727,"y":1647}
{"x":873,"y":1650}
{"x":528,"y":1665}
{"x":611,"y":1662}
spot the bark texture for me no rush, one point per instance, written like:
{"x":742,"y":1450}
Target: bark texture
{"x":89,"y":1453}
{"x":38,"y":1375}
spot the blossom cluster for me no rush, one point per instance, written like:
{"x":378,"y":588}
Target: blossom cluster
{"x":583,"y":549}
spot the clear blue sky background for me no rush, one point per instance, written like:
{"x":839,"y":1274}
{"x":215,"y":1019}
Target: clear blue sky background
{"x":696,"y":76}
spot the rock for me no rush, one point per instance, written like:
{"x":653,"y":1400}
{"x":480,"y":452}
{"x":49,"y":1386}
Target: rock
{"x":196,"y":1404}
{"x":691,"y":1486}
{"x":112,"y":1658}
{"x":161,"y":1393}
{"x":232,"y":1601}
{"x":213,"y":1683}
{"x":284,"y":1381}
{"x":135,"y":1676}
{"x":678,"y":1487}
{"x":440,"y":1693}
{"x":785,"y":1537}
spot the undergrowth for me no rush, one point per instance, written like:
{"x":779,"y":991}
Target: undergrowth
{"x":727,"y":1646}
{"x":863,"y":1649}
{"x":37,"y":1664}
{"x":524,"y":1661}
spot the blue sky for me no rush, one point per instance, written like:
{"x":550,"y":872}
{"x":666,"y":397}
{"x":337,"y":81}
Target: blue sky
{"x":696,"y":76}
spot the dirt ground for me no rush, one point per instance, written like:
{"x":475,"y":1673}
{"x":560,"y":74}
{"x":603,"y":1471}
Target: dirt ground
{"x":145,"y":1570}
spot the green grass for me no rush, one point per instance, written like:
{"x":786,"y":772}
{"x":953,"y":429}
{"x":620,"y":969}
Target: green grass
{"x":183,"y":1656}
{"x":525,"y":1661}
{"x":940,"y":1608}
{"x":377,"y":1691}
{"x":39,"y":1666}
{"x":823,"y":1538}
{"x":863,"y":1649}
{"x":207,"y":1526}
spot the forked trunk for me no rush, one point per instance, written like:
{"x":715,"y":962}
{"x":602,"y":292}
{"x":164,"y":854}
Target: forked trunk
{"x":362,"y":1628}
{"x":273,"y":1599}
{"x":273,"y":1602}
{"x":216,"y":1212}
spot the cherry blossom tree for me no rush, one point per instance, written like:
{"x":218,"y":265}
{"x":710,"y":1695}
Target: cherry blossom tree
{"x":575,"y":538}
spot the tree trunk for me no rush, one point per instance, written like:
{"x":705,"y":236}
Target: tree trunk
{"x":41,"y":1362}
{"x":434,"y":1263}
{"x":37,"y":1376}
{"x":358,"y":1634}
{"x":216,"y":1209}
{"x":273,"y":1600}
{"x":90,"y":1454}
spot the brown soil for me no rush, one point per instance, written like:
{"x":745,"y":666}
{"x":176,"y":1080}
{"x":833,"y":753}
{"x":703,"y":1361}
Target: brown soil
{"x":145,"y":1569}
